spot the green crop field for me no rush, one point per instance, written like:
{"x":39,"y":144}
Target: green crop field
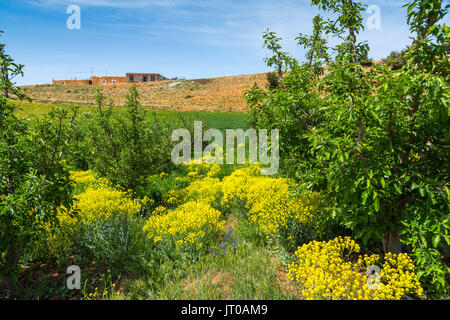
{"x":217,"y":120}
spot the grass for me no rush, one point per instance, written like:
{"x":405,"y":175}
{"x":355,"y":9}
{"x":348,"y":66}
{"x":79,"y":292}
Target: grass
{"x":218,"y":120}
{"x":249,"y":272}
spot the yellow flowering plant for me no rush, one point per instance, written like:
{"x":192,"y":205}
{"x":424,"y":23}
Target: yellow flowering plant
{"x":189,"y":224}
{"x":267,"y":201}
{"x":336,"y":270}
{"x":272,"y":206}
{"x":100,"y":201}
{"x":234,"y":186}
{"x":81,"y":180}
{"x":203,"y":186}
{"x":174,"y":198}
{"x":207,"y":190}
{"x":200,"y":171}
{"x":83,"y":177}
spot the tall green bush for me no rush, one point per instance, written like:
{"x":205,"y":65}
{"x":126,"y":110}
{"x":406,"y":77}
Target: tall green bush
{"x":376,"y":144}
{"x":34,"y":180}
{"x":126,"y":147}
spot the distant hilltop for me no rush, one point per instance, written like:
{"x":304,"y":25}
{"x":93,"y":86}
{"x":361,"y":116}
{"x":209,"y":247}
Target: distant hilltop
{"x":223,"y":94}
{"x":129,"y":78}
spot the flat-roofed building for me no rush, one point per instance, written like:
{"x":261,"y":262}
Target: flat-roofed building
{"x":143,"y":77}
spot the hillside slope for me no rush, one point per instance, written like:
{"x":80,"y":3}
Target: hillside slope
{"x":216,"y":94}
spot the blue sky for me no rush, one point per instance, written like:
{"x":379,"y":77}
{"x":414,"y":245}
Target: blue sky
{"x":177,"y":38}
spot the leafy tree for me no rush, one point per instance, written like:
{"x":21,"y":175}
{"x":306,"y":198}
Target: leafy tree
{"x":377,"y":143}
{"x":349,"y":21}
{"x":292,"y":105}
{"x":8,"y":71}
{"x":317,"y":55}
{"x":128,"y":148}
{"x":385,"y":145}
{"x":281,"y":60}
{"x":34,"y":180}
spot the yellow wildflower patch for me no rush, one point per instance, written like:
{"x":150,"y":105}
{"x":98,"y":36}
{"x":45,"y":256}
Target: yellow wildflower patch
{"x":99,"y":201}
{"x":272,"y":206}
{"x":83,"y":177}
{"x":268,"y":200}
{"x":327,"y":270}
{"x":206,"y":190}
{"x":235,"y":186}
{"x":200,"y":171}
{"x":188,"y":223}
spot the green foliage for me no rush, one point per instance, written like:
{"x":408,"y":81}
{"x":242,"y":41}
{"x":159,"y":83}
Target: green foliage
{"x":34,"y":181}
{"x":428,"y":238}
{"x":102,"y":288}
{"x":296,"y":234}
{"x":157,"y":186}
{"x":129,"y":148}
{"x":272,"y":80}
{"x":395,"y":60}
{"x":117,"y":243}
{"x":375,"y":144}
{"x":292,"y":107}
{"x":8,"y":71}
{"x":317,"y":54}
{"x":78,"y":152}
{"x":281,"y":60}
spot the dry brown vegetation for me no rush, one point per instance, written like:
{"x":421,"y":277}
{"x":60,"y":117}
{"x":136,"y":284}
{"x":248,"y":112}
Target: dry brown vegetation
{"x":216,"y":94}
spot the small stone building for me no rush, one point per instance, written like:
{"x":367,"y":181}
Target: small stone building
{"x":143,"y":77}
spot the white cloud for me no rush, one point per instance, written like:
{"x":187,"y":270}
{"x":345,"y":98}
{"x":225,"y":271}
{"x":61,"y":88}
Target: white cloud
{"x":132,"y":4}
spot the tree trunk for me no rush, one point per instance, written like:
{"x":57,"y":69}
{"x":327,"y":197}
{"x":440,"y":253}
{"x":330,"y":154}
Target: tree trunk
{"x":14,"y":288}
{"x":391,"y":242}
{"x":280,"y":67}
{"x":352,"y":33}
{"x":12,"y":258}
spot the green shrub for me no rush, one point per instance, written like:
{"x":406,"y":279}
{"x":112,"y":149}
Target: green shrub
{"x":127,"y":147}
{"x":78,"y":151}
{"x":156,"y":186}
{"x":117,"y":243}
{"x":294,"y":234}
{"x":396,"y":60}
{"x":273,"y":80}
